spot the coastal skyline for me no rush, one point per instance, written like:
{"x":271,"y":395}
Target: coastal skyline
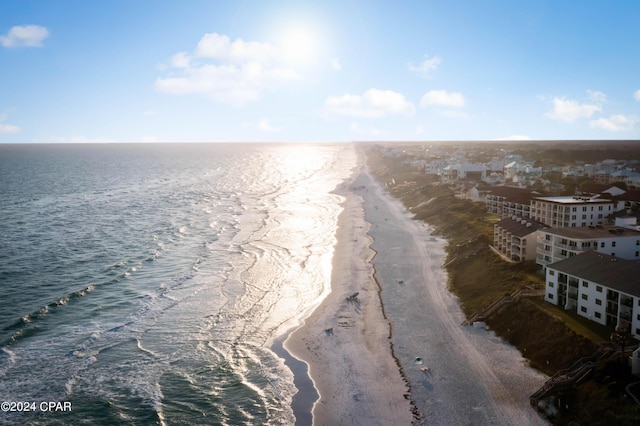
{"x":149,"y":71}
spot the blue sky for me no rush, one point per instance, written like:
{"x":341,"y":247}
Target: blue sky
{"x":152,"y":70}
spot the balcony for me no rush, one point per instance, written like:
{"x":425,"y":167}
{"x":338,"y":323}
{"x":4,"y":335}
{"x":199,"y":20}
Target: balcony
{"x":626,"y":301}
{"x":542,"y":250}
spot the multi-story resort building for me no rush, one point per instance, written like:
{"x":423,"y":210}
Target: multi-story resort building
{"x":515,"y":238}
{"x":602,"y":288}
{"x":555,"y":244}
{"x":508,"y":201}
{"x":566,"y":212}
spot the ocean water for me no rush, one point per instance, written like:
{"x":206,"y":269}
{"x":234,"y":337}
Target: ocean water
{"x":145,"y":284}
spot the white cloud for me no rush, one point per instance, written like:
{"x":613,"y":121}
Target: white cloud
{"x":614,"y":123}
{"x":636,"y":95}
{"x":228,"y":72}
{"x":148,"y":113}
{"x":218,"y":46}
{"x":181,"y":60}
{"x":8,"y":129}
{"x":266,"y":126}
{"x":425,"y":67}
{"x":373,"y":103}
{"x":25,"y":36}
{"x":597,"y":97}
{"x":335,"y":64}
{"x":569,"y":110}
{"x":443,"y":98}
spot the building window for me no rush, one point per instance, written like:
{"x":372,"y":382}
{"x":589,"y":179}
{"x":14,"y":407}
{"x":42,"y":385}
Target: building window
{"x":613,"y":255}
{"x":584,"y":216}
{"x":585,"y":284}
{"x":598,"y":315}
{"x":584,"y":209}
{"x":599,"y":288}
{"x":602,"y":244}
{"x":637,"y":253}
{"x":585,"y":297}
{"x":583,"y":309}
{"x":638,"y":242}
{"x":598,"y":302}
{"x":551,"y":284}
{"x":613,"y":243}
{"x":552,"y":273}
{"x":550,"y":296}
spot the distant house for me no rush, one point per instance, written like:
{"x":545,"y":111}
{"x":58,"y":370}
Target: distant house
{"x":494,"y":178}
{"x":630,"y":201}
{"x":592,"y":189}
{"x":515,"y":237}
{"x":599,"y":287}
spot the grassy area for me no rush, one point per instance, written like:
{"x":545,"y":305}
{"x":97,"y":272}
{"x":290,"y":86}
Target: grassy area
{"x":549,"y":337}
{"x":580,"y":325}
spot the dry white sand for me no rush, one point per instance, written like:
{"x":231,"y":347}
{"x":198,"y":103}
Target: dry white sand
{"x":352,"y":365}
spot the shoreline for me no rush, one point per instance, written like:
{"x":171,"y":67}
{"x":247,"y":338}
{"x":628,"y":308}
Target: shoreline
{"x":346,"y":345}
{"x":398,"y":355}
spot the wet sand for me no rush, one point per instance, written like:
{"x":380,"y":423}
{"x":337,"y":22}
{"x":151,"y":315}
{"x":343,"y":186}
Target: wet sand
{"x":362,"y":353}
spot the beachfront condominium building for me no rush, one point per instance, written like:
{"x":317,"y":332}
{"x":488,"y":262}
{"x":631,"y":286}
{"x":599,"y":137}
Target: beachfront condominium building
{"x":507,"y":201}
{"x":567,"y":212}
{"x":515,"y":238}
{"x":602,"y":288}
{"x":555,"y":244}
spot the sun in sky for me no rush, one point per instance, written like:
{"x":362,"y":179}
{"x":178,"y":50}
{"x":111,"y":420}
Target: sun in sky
{"x":299,"y":44}
{"x":323,"y":71}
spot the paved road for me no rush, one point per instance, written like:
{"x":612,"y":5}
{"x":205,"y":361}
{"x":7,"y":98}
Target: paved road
{"x":474,"y":377}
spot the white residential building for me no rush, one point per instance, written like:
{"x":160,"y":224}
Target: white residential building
{"x":570,"y":211}
{"x":507,"y":201}
{"x":515,"y":238}
{"x":599,"y":287}
{"x":555,"y":244}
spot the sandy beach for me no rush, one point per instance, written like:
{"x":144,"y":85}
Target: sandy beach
{"x":347,"y":342}
{"x":398,"y":354}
